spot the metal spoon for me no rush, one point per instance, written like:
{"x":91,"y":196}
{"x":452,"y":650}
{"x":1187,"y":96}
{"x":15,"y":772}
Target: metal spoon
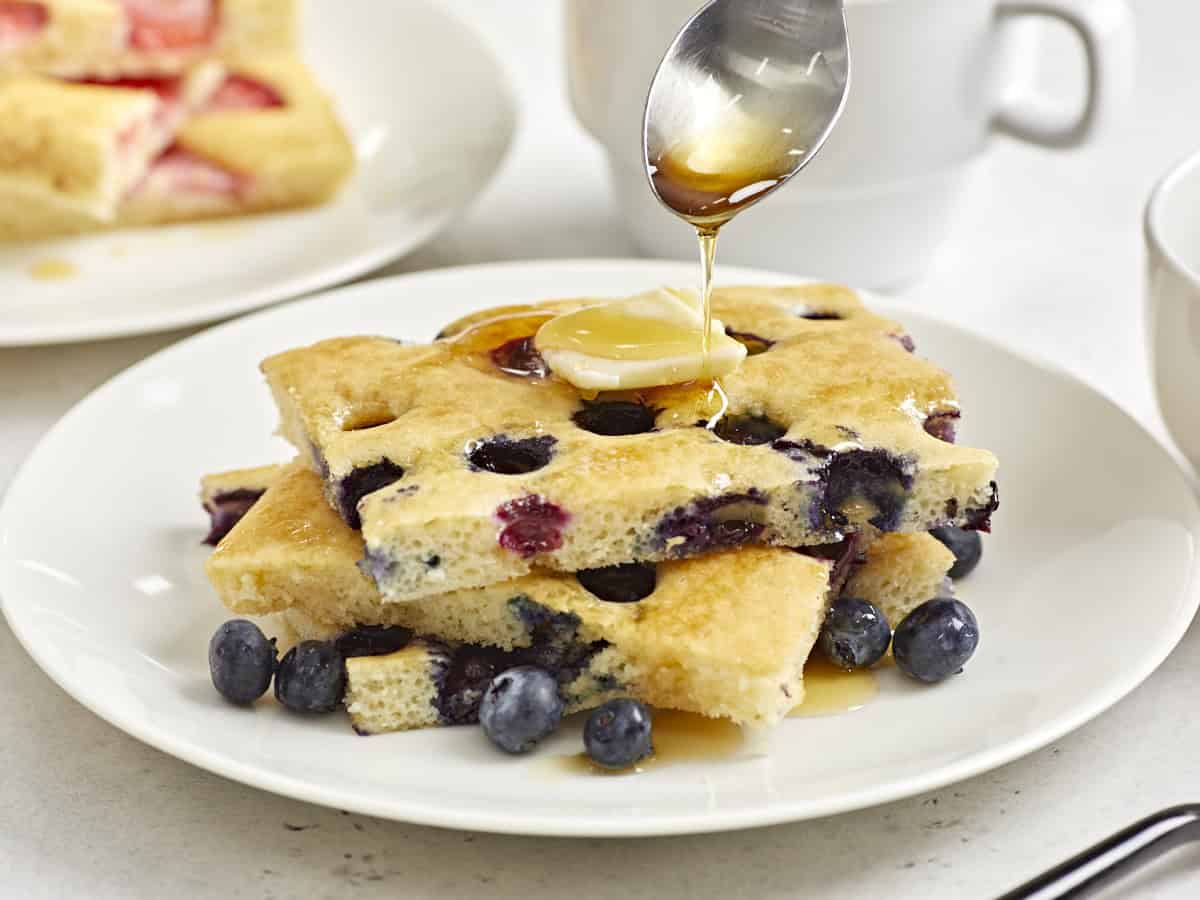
{"x":744,"y":98}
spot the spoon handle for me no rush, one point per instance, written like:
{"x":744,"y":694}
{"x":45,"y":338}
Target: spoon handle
{"x":1100,"y":865}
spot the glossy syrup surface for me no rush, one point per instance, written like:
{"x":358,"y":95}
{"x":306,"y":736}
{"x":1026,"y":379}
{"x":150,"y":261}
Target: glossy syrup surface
{"x":52,"y":270}
{"x":605,"y":332}
{"x":678,"y":737}
{"x":830,"y":691}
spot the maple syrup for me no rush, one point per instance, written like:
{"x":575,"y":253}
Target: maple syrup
{"x":604,"y":331}
{"x":678,"y":737}
{"x":830,"y":691}
{"x":52,"y":270}
{"x":707,"y":178}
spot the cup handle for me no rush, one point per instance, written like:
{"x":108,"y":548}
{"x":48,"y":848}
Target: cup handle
{"x":1106,"y":33}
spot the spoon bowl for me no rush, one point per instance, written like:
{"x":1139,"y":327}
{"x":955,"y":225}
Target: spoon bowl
{"x":743,"y":99}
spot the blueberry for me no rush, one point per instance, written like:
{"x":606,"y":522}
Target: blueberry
{"x":618,"y":734}
{"x":967,"y":547}
{"x":373,"y":640}
{"x":856,"y":633}
{"x":748,"y":430}
{"x":753,"y":343}
{"x":520,"y":357}
{"x":519,"y":708}
{"x":625,"y":583}
{"x":311,"y":678}
{"x":362,"y":481}
{"x":504,"y":456}
{"x":612,"y":418}
{"x":935,"y":640}
{"x":466,"y":677}
{"x":241,"y":661}
{"x":226,"y":510}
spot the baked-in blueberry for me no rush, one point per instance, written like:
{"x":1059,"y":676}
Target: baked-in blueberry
{"x":520,"y":357}
{"x":979,"y":518}
{"x":505,"y":456}
{"x":748,"y":430}
{"x":752,"y":342}
{"x":856,"y":633}
{"x":362,"y":481}
{"x":532,"y":525}
{"x":373,"y":640}
{"x":618,"y":734}
{"x":943,"y":425}
{"x":311,"y":678}
{"x":466,"y":676}
{"x":624,"y":583}
{"x":226,"y":510}
{"x":520,"y":708}
{"x":241,"y":661}
{"x":804,"y":311}
{"x":613,"y":418}
{"x":874,"y":476}
{"x":712,"y":523}
{"x":935,"y":640}
{"x":967,"y":547}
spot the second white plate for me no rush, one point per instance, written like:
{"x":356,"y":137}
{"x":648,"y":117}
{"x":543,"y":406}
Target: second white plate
{"x":431,"y":114}
{"x":1086,"y":585}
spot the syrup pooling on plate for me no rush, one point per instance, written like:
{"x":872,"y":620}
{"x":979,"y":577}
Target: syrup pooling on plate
{"x":830,"y":691}
{"x":679,"y":737}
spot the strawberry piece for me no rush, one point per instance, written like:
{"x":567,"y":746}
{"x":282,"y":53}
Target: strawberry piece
{"x":240,"y":92}
{"x":20,"y":22}
{"x":170,"y":24}
{"x":166,"y":88}
{"x":186,"y":173}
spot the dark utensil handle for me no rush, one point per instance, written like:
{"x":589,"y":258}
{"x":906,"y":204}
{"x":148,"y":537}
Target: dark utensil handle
{"x":1101,"y":865}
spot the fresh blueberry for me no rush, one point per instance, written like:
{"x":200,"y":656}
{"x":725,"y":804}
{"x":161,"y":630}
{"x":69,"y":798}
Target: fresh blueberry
{"x":967,"y":547}
{"x":519,"y":708}
{"x":241,"y":661}
{"x":311,"y":678}
{"x":624,"y":583}
{"x":935,"y":640}
{"x":856,"y":634}
{"x":618,"y":734}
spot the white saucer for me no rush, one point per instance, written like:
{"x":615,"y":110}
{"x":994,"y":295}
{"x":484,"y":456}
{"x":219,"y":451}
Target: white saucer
{"x":1086,"y":585}
{"x":432,"y":115}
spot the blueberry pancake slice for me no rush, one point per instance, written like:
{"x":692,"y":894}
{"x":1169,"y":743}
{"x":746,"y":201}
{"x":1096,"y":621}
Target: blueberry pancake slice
{"x":827,"y":433}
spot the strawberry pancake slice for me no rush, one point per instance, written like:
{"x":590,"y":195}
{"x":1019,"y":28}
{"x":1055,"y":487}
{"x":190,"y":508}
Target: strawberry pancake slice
{"x":135,"y":38}
{"x":71,"y":152}
{"x":170,"y":24}
{"x":20,"y":23}
{"x":268,"y":139}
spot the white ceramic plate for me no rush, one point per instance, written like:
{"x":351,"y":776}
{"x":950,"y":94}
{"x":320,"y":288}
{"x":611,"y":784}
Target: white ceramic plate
{"x":431,"y":114}
{"x":1085,"y":587}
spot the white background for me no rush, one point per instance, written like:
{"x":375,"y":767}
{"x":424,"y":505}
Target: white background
{"x":1048,"y":257}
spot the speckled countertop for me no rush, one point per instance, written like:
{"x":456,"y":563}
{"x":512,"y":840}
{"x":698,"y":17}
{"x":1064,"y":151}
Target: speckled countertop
{"x":87,"y":812}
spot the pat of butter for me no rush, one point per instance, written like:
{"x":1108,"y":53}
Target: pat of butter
{"x":644,"y":341}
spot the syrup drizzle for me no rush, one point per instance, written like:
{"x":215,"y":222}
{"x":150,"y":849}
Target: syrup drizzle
{"x":687,"y":737}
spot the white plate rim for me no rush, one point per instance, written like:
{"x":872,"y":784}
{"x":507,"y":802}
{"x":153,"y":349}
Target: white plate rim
{"x":386,"y":251}
{"x":678,"y":824}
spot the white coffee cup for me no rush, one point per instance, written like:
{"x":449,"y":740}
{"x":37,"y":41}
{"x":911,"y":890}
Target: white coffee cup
{"x":931,"y":81}
{"x":1173,"y":300}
